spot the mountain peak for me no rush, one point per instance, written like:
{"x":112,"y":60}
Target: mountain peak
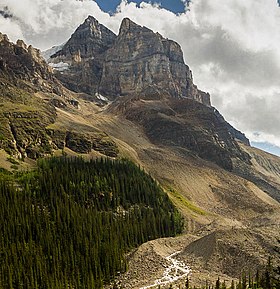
{"x":144,"y":62}
{"x":93,"y":25}
{"x":91,"y":38}
{"x":22,"y":44}
{"x":128,"y":25}
{"x":20,"y":64}
{"x":137,"y":61}
{"x":92,"y":19}
{"x":92,"y":28}
{"x":3,"y":37}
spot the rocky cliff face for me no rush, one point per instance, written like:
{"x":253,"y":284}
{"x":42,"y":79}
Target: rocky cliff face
{"x":235,"y":134}
{"x":29,"y":93}
{"x":186,"y":125}
{"x":19,"y":62}
{"x":89,"y":40}
{"x":24,"y":67}
{"x":79,"y":62}
{"x":136,"y":62}
{"x":156,"y":86}
{"x":142,"y":62}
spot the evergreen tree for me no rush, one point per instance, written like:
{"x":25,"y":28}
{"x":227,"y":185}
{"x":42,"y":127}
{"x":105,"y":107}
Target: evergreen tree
{"x":69,"y":223}
{"x":218,"y":284}
{"x":187,"y":283}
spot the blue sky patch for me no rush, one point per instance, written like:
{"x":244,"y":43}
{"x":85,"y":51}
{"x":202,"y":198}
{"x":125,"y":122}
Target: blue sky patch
{"x":176,"y":6}
{"x":268,"y":147}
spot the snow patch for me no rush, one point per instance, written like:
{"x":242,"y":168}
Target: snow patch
{"x":60,"y":66}
{"x":101,"y":97}
{"x":49,"y":52}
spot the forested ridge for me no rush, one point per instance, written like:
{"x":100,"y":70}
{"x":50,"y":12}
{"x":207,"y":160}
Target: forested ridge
{"x":69,"y":223}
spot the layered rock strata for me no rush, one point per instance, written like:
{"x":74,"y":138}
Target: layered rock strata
{"x":136,"y":62}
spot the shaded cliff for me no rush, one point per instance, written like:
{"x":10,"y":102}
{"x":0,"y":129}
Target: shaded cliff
{"x":185,"y":124}
{"x":89,"y":40}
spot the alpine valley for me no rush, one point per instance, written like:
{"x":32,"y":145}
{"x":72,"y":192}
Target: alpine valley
{"x":116,"y":171}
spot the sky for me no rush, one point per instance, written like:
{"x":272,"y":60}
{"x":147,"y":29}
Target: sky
{"x":232,"y":47}
{"x":175,"y":6}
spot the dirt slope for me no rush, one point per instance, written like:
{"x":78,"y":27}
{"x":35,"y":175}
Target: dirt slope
{"x":232,"y":220}
{"x":229,"y":219}
{"x":264,"y":172}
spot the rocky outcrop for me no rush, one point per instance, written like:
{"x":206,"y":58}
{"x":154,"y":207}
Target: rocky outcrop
{"x":23,"y":129}
{"x":27,"y":134}
{"x":25,"y":68}
{"x":141,"y":61}
{"x":29,"y":96}
{"x":185,"y":125}
{"x":21,"y":62}
{"x":136,"y":62}
{"x":83,"y":142}
{"x":83,"y":55}
{"x":236,"y":134}
{"x":89,"y":40}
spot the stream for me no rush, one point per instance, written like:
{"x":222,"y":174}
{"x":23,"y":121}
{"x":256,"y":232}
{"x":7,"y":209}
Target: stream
{"x":175,"y":271}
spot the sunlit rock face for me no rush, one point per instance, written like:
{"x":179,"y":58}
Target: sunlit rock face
{"x":19,"y":61}
{"x":142,"y":62}
{"x":89,"y":40}
{"x":137,"y":61}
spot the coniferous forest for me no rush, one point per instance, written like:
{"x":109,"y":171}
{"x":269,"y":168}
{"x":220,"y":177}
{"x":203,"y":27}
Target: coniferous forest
{"x":70,"y":222}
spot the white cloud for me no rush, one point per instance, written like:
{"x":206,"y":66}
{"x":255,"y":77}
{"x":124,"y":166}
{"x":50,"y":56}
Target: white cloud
{"x":45,"y":23}
{"x":231,"y":46}
{"x":7,"y":25}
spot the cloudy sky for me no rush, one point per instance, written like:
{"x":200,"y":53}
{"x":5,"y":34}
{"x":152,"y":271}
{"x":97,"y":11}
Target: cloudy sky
{"x":232,"y":47}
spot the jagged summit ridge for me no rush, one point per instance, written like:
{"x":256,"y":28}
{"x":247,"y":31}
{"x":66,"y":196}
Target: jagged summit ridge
{"x":21,"y":62}
{"x":137,"y":62}
{"x":90,"y":39}
{"x":128,"y":25}
{"x":81,"y":56}
{"x":141,"y":39}
{"x":144,"y":63}
{"x":29,"y":97}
